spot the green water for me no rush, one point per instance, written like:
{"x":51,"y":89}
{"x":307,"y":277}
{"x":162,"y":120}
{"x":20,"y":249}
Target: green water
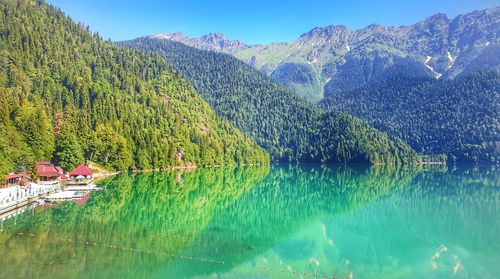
{"x":268,"y":222}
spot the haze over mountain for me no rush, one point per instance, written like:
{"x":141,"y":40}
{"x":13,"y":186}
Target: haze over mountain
{"x":335,"y":58}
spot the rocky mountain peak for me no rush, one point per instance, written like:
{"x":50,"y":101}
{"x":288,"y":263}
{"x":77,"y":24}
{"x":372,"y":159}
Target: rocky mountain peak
{"x":492,"y":11}
{"x":436,"y":23}
{"x":211,"y":41}
{"x":328,"y":32}
{"x":219,"y":42}
{"x":214,"y":36}
{"x":439,"y":17}
{"x":334,"y":35}
{"x":374,"y":27}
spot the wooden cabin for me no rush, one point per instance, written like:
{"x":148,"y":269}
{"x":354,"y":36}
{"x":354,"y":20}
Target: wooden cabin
{"x":47,"y":173}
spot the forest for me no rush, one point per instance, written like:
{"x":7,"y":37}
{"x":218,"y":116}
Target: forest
{"x":287,"y":126}
{"x":68,"y":96}
{"x":458,"y":118}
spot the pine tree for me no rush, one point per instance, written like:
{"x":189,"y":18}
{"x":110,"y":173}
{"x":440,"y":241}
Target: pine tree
{"x":68,"y":153}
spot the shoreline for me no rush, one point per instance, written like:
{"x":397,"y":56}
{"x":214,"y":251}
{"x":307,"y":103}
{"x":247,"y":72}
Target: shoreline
{"x":99,"y":176}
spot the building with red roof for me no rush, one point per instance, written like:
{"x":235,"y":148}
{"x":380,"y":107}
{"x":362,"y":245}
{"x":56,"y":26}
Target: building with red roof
{"x":17,"y":179}
{"x":47,"y":173}
{"x":81,"y":174}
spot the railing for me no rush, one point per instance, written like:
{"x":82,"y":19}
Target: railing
{"x":80,"y":182}
{"x":14,"y":195}
{"x":50,"y":182}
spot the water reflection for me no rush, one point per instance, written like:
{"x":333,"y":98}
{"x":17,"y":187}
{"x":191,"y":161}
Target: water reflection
{"x":371,"y":222}
{"x":160,"y":212}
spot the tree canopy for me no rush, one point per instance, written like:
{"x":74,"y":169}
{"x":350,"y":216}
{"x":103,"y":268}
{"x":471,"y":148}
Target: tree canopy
{"x":287,"y":126}
{"x":459,"y":118}
{"x":67,"y":95}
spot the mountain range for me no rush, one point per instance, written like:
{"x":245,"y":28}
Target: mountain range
{"x":434,"y":84}
{"x":380,"y":95}
{"x":334,"y":58}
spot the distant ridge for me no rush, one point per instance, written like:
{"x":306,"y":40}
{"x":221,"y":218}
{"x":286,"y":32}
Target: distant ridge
{"x":337,"y":58}
{"x":211,"y":41}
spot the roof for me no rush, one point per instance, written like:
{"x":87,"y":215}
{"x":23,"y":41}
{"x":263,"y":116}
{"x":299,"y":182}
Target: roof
{"x":46,"y":169}
{"x":15,"y":175}
{"x":81,"y":170}
{"x":59,"y":169}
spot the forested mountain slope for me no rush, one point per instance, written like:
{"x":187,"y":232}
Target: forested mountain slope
{"x":459,"y":117}
{"x":67,"y":95}
{"x":288,"y":127}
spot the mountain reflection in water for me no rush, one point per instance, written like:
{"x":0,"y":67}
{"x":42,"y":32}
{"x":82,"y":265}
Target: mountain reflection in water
{"x":268,"y":222}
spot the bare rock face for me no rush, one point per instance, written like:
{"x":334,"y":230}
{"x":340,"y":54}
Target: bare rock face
{"x":212,"y":41}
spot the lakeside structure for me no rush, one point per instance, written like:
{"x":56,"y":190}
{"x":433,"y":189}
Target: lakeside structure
{"x":15,"y":179}
{"x":15,"y":197}
{"x":82,"y":175}
{"x":20,"y":190}
{"x":81,"y":179}
{"x":47,"y":173}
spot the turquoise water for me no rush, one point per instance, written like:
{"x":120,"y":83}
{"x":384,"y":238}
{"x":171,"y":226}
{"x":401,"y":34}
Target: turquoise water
{"x":268,"y":222}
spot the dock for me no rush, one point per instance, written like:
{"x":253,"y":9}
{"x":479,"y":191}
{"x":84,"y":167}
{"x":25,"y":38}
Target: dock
{"x":16,"y":197}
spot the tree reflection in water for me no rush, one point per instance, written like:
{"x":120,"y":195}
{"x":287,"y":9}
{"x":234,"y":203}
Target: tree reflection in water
{"x":305,"y":218}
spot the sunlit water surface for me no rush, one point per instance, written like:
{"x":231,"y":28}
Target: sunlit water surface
{"x":268,"y":222}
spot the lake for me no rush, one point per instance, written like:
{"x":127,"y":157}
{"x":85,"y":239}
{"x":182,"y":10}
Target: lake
{"x":282,"y":221}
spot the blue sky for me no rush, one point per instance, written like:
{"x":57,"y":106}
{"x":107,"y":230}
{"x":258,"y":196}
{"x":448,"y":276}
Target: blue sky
{"x":257,"y":21}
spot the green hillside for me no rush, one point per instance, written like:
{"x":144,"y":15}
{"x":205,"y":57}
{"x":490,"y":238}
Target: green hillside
{"x":460,"y":117}
{"x":287,"y":126}
{"x":67,"y":95}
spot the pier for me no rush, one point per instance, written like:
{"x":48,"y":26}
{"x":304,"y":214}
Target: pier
{"x":16,"y":197}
